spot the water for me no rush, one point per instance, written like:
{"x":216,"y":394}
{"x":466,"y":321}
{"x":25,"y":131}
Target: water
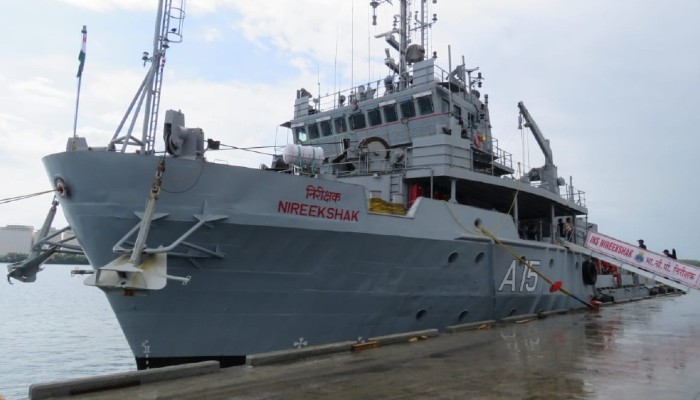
{"x":56,"y":328}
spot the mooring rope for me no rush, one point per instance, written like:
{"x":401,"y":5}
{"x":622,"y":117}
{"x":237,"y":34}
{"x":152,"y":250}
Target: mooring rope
{"x":554,"y":285}
{"x":25,"y":196}
{"x":507,"y":214}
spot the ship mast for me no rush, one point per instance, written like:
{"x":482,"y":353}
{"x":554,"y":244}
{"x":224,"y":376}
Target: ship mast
{"x":168,"y":30}
{"x":403,"y":43}
{"x":402,"y":27}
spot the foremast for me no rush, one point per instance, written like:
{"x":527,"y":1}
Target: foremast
{"x":168,"y":29}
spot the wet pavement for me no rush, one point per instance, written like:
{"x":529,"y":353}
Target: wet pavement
{"x":638,"y":350}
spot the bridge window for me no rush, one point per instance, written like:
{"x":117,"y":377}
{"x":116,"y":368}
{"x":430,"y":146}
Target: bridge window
{"x":445,"y":105}
{"x":357,"y":121}
{"x":425,"y":105}
{"x":457,"y":111}
{"x":313,"y":131}
{"x":340,"y":125}
{"x":326,"y":128}
{"x":375,"y":118}
{"x":472,"y":120}
{"x":390,"y":114}
{"x":408,"y":109}
{"x":300,"y":133}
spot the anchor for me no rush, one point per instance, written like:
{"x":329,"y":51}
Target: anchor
{"x":146,"y":268}
{"x":42,"y":250}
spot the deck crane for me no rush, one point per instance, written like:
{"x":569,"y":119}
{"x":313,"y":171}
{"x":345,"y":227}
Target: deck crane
{"x":546,"y":174}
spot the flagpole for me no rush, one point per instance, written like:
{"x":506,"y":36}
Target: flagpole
{"x":81,"y":58}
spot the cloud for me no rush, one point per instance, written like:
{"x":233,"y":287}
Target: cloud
{"x":212,"y":35}
{"x":112,"y":5}
{"x":199,"y":7}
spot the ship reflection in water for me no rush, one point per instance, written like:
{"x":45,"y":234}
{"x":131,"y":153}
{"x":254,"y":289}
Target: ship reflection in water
{"x":644,"y":350}
{"x":638,"y":350}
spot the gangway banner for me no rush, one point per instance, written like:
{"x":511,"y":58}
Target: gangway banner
{"x":644,"y":259}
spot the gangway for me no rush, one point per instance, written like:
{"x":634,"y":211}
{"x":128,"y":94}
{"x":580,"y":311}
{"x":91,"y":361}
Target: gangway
{"x":639,"y":261}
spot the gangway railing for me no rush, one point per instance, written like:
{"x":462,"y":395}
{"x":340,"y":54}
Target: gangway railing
{"x":640,"y":261}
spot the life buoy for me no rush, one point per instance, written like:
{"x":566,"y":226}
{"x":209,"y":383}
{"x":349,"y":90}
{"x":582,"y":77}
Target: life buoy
{"x":589,"y":272}
{"x":478,"y":140}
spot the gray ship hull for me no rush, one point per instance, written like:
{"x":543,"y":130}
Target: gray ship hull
{"x":289,"y":278}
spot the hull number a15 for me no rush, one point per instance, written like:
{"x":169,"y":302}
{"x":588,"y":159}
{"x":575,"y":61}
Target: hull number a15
{"x":520,"y":279}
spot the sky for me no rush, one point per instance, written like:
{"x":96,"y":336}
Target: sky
{"x":613,"y":85}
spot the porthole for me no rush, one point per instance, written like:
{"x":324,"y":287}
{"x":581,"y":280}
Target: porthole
{"x":420,"y":314}
{"x":477,"y":222}
{"x":462,"y":315}
{"x":479,"y":257}
{"x":452,"y":257}
{"x":512,"y":312}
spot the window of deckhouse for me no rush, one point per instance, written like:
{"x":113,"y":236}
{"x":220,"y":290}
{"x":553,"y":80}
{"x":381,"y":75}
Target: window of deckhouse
{"x":300,"y":133}
{"x":357,"y":121}
{"x":340,"y":125}
{"x":326,"y":128}
{"x":375,"y":118}
{"x":313,"y":131}
{"x":425,"y":105}
{"x":408,"y":109}
{"x":472,"y":120}
{"x":390,"y":114}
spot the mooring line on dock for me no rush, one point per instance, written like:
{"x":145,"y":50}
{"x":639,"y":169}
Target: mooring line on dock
{"x":25,"y":196}
{"x":555,"y":285}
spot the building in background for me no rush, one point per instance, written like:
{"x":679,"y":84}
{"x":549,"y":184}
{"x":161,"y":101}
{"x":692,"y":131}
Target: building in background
{"x":69,"y":234}
{"x":16,"y":239}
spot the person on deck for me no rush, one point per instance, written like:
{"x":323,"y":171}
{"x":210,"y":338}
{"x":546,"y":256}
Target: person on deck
{"x":560,"y":228}
{"x":641,"y":244}
{"x":569,"y":230}
{"x":670,"y":255}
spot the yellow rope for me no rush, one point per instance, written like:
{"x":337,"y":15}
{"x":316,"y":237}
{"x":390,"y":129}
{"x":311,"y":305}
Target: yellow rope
{"x":456,"y":219}
{"x":512,"y":204}
{"x":498,"y":226}
{"x":25,"y":196}
{"x":384,"y":207}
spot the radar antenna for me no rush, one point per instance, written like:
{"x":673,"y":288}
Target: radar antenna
{"x":403,"y":29}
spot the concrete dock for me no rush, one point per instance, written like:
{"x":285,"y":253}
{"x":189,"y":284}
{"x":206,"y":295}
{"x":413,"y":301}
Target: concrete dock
{"x":636,"y":350}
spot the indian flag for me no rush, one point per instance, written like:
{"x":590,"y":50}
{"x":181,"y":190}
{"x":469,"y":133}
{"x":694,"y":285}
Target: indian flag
{"x":81,"y":56}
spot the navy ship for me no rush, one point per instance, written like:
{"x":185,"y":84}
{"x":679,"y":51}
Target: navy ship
{"x":393,"y":209}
